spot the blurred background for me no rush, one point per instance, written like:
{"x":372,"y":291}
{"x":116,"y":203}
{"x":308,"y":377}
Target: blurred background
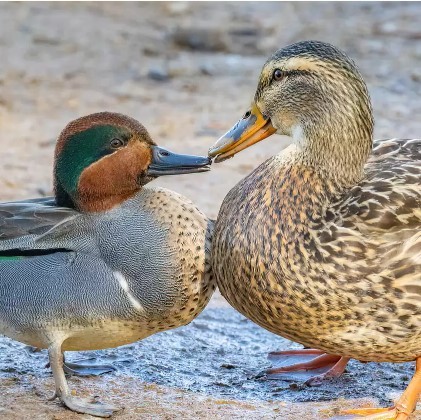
{"x":187,"y":71}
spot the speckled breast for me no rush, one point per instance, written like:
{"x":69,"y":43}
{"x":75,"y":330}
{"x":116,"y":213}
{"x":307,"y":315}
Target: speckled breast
{"x":188,"y":277}
{"x":250,"y":256}
{"x":268,"y":265}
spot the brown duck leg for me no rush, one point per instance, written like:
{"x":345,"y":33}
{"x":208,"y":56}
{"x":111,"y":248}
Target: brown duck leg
{"x":404,"y":406}
{"x":332,"y":365}
{"x":63,"y":391}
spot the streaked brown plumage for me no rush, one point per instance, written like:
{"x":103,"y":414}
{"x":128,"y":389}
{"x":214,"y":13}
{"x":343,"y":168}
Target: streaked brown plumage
{"x":322,"y":243}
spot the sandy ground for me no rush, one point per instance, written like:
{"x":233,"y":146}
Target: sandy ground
{"x":187,"y":71}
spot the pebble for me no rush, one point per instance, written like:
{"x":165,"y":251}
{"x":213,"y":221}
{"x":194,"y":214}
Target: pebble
{"x":200,"y":39}
{"x":158,"y":74}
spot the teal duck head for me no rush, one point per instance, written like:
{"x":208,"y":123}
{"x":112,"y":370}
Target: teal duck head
{"x":103,"y":159}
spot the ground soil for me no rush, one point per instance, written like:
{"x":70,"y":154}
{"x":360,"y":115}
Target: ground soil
{"x":187,"y":71}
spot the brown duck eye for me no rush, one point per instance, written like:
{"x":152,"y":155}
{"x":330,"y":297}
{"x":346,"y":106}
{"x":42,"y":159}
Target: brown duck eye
{"x":116,"y":143}
{"x":278,"y":75}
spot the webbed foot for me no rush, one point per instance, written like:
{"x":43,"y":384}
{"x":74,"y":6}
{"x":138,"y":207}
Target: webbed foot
{"x":85,"y":367}
{"x":378,"y":413}
{"x":403,"y":407}
{"x":312,"y":365}
{"x":84,"y":406}
{"x":80,"y":368}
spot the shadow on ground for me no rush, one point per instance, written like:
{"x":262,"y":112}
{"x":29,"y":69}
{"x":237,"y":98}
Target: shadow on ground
{"x":218,"y":355}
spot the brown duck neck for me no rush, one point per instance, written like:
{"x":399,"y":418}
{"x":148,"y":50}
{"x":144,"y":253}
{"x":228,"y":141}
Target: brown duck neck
{"x":338,"y":153}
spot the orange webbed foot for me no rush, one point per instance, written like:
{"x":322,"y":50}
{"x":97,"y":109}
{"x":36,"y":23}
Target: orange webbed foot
{"x":321,"y":366}
{"x":378,"y":414}
{"x":404,"y":406}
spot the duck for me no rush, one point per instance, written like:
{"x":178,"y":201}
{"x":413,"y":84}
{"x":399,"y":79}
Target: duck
{"x":108,"y":260}
{"x":321,"y":243}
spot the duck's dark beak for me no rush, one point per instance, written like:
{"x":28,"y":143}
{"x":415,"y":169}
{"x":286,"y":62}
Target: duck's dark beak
{"x":252,"y":128}
{"x":165,"y":162}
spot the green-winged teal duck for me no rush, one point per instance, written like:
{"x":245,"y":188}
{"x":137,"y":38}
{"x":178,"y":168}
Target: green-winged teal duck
{"x":108,"y":260}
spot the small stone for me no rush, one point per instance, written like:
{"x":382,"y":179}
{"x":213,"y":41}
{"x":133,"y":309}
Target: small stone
{"x":150,"y":51}
{"x":228,"y":366}
{"x":200,"y":39}
{"x":43,"y":192}
{"x":206,"y":70}
{"x":158,"y":74}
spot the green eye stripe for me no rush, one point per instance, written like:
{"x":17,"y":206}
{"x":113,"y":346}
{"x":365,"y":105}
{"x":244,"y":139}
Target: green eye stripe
{"x":82,"y":150}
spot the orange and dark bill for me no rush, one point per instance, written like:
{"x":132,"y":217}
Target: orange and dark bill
{"x":252,"y":128}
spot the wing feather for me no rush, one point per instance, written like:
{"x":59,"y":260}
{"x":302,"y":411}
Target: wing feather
{"x":23,"y":223}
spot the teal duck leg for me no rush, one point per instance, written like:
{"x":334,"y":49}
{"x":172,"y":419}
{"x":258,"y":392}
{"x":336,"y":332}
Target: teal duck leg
{"x":64,"y":394}
{"x":325,"y":366}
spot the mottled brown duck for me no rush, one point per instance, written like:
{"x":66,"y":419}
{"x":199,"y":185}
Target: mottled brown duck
{"x":321,"y":244}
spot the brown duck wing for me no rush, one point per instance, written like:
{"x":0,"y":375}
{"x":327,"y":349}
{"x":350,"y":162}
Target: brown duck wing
{"x":375,"y":227}
{"x":389,"y":198}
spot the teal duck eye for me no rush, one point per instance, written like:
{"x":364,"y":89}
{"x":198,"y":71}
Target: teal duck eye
{"x":116,"y":143}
